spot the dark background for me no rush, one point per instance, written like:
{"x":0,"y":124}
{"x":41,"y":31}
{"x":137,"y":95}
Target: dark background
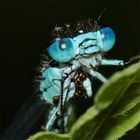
{"x":25,"y":28}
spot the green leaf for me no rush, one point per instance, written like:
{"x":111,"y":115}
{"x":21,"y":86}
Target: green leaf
{"x":117,"y":127}
{"x":48,"y":136}
{"x":129,"y":100}
{"x":116,"y":109}
{"x":116,"y":86}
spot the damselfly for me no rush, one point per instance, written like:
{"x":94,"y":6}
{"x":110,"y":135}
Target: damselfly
{"x":66,"y":74}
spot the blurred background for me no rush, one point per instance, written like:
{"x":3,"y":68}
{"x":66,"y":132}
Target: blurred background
{"x":25,"y":28}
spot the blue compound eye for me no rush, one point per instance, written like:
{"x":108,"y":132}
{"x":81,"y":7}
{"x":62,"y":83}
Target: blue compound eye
{"x":62,"y":50}
{"x":108,"y":38}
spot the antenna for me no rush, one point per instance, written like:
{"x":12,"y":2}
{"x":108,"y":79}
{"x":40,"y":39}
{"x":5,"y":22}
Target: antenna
{"x":101,"y":14}
{"x":96,"y":26}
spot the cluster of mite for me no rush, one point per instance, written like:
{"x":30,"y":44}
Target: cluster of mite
{"x":78,"y":81}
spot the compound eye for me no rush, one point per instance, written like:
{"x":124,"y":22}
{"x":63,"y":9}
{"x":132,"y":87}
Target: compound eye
{"x":62,"y":50}
{"x":108,"y":38}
